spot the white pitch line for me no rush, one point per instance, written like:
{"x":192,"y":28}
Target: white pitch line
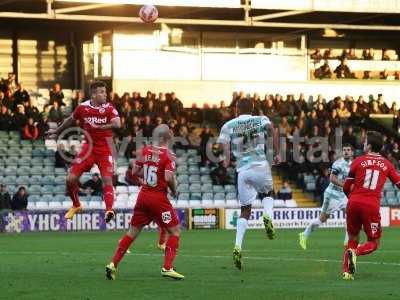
{"x":317,"y":260}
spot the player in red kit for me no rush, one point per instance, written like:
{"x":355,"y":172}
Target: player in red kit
{"x":97,"y":118}
{"x":158,"y":166}
{"x":363,"y":187}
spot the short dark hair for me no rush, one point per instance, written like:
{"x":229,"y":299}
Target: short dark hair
{"x":97,"y":84}
{"x":348,"y":145}
{"x":245,"y":106}
{"x":374,"y":139}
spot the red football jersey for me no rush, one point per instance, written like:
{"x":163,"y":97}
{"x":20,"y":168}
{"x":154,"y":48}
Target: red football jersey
{"x":155,"y":161}
{"x":368,"y":173}
{"x":85,"y":113}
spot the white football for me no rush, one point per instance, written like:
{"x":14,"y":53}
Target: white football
{"x":148,"y":13}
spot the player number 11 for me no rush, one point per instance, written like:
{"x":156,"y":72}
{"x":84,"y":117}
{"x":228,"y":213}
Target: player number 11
{"x":371,"y":179}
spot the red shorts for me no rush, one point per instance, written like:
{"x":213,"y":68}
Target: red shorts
{"x":154,"y":206}
{"x":366,"y":216}
{"x":87,"y":158}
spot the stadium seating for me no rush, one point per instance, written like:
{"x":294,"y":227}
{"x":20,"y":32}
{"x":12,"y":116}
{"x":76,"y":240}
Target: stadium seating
{"x":31,"y":164}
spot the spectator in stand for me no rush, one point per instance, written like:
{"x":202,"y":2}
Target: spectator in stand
{"x":385,"y":54}
{"x":382,"y":104}
{"x":343,"y":70}
{"x":355,"y":113}
{"x":32,"y":111}
{"x":367,"y":75}
{"x":285,"y":192}
{"x":135,"y":111}
{"x":327,"y":54}
{"x":324,"y":71}
{"x":301,"y":105}
{"x":55,"y":113}
{"x":362,"y":106}
{"x":21,"y":96}
{"x":316,"y":55}
{"x":20,"y":199}
{"x":19,"y":119}
{"x":2,"y":100}
{"x":166,"y":114}
{"x":352,"y":54}
{"x":136,"y":97}
{"x":147,"y":127}
{"x":5,"y":198}
{"x":322,"y":183}
{"x":5,"y":118}
{"x":79,"y":97}
{"x":92,"y":187}
{"x":334,"y":119}
{"x":397,"y":75}
{"x":394,"y":109}
{"x":284,"y":127}
{"x":123,"y":131}
{"x":384,"y":74}
{"x":342,"y":111}
{"x":349,"y":137}
{"x":56,"y":95}
{"x":375,"y":108}
{"x":205,"y":137}
{"x":368,"y":54}
{"x":396,"y":151}
{"x":175,"y":105}
{"x":150,"y":110}
{"x":313,"y":120}
{"x":31,"y":130}
{"x":9,"y":83}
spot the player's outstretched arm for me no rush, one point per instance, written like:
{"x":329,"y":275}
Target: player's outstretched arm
{"x":335,"y":180}
{"x":68,"y":122}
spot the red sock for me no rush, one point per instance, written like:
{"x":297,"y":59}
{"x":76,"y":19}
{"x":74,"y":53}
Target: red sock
{"x":123,"y":245}
{"x":163,"y":236}
{"x":366,"y":248}
{"x":170,"y":251}
{"x":350,"y":245}
{"x":108,"y":196}
{"x":73,"y":190}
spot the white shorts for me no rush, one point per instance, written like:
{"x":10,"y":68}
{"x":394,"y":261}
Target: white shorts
{"x":255,"y":179}
{"x":333,"y":201}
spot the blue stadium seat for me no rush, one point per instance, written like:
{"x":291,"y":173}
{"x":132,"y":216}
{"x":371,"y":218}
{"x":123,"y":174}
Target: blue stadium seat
{"x":34,"y":190}
{"x":183,"y":187}
{"x":35,"y":179}
{"x":207,"y":188}
{"x":218,"y":189}
{"x":195,"y":188}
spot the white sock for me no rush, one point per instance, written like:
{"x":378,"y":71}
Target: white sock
{"x":268,"y":204}
{"x":240,"y":230}
{"x":310,"y":228}
{"x":346,"y":237}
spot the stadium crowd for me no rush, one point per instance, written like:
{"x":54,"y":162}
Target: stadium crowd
{"x":342,"y":71}
{"x":310,"y":119}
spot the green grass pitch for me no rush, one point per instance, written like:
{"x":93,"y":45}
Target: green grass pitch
{"x":71,"y":266}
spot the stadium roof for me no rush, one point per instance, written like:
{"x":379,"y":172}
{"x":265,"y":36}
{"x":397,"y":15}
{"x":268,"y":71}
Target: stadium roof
{"x":299,"y":14}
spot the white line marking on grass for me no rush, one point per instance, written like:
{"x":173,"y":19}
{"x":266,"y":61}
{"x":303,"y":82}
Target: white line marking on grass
{"x":317,"y":260}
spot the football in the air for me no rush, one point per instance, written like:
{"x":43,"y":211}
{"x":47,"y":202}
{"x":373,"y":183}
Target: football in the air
{"x":148,"y":13}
